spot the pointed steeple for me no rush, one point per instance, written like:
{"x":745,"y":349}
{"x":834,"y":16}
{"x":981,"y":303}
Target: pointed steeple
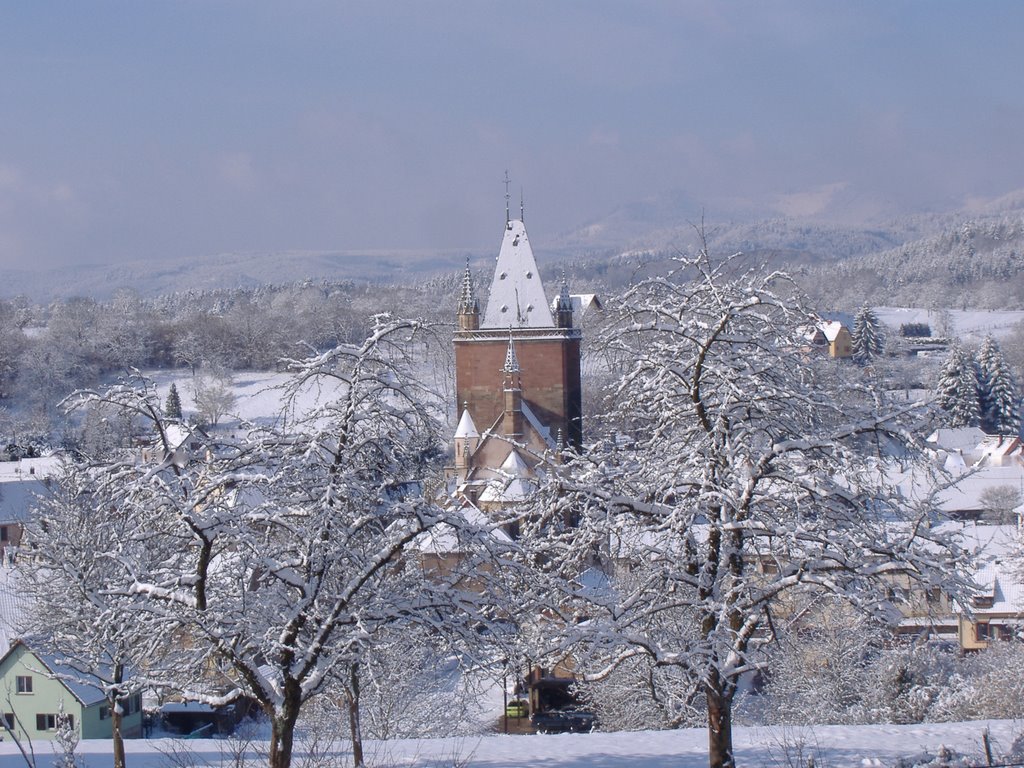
{"x":517,"y":294}
{"x":511,"y":360}
{"x":467,"y":438}
{"x":467,"y":427}
{"x":513,"y":389}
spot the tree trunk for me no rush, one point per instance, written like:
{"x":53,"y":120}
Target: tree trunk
{"x":719,"y":727}
{"x":116,"y":719}
{"x":282,"y":735}
{"x":353,"y":717}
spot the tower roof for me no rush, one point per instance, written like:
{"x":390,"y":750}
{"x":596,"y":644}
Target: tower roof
{"x":466,"y":428}
{"x":517,"y":296}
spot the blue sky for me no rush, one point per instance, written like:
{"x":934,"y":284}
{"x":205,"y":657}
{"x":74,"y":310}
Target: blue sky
{"x":155,"y":129}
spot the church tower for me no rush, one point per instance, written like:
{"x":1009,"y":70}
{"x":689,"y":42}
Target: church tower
{"x":519,"y":354}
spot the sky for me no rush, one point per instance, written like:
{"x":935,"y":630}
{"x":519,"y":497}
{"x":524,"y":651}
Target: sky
{"x":177,"y":129}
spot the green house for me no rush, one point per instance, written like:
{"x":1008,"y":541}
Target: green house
{"x":34,"y":689}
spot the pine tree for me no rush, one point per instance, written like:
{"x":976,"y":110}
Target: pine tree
{"x":958,"y":388}
{"x":172,"y":408}
{"x":998,"y":399}
{"x":867,"y":338}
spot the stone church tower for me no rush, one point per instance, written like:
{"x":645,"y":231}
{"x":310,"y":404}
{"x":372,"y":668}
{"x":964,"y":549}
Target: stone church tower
{"x":517,"y":368}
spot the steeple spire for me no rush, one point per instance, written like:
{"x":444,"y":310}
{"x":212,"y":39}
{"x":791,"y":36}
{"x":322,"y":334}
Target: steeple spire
{"x":467,"y":298}
{"x":469,"y":307}
{"x":508,"y":216}
{"x":511,"y":360}
{"x":563,"y":306}
{"x":512,"y":426}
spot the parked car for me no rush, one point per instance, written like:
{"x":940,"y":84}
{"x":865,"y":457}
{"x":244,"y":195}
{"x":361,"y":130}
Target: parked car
{"x":567,"y":720}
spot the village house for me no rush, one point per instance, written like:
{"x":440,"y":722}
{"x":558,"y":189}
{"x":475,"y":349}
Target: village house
{"x":37,"y":690}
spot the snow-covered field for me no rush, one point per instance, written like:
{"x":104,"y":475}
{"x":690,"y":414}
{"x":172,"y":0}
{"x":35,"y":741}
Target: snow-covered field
{"x":830,"y":746}
{"x":971,"y":325}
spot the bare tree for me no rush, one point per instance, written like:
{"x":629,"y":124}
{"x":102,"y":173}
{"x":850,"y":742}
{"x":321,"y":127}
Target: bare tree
{"x":74,"y":615}
{"x":738,"y":480}
{"x":279,"y":559}
{"x":213,"y":395}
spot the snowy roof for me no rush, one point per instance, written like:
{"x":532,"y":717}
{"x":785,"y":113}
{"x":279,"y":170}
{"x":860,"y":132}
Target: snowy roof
{"x":74,"y":680}
{"x":466,"y":428}
{"x":956,"y":439}
{"x":443,"y":538}
{"x":997,"y":575}
{"x":512,"y":483}
{"x":543,"y":431}
{"x":40,"y":467}
{"x":12,"y":606}
{"x":581,"y":302}
{"x":996,"y":449}
{"x":831,"y":329}
{"x":966,"y":492}
{"x":517,"y":297}
{"x":18,"y":498}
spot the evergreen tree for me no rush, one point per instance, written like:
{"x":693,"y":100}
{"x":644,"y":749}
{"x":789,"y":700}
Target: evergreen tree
{"x":172,"y":407}
{"x":868,"y":340}
{"x":958,"y":388}
{"x":998,"y":399}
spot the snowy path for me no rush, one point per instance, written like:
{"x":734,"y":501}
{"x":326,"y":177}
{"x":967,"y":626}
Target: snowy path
{"x":831,"y":746}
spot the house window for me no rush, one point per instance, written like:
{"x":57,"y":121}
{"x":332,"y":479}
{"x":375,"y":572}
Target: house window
{"x":46,"y":722}
{"x":104,"y":713}
{"x":24,"y":684}
{"x":982,"y":631}
{"x":9,"y":720}
{"x":4,"y":536}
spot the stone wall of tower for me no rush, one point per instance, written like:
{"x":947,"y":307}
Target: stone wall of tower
{"x":549,"y":362}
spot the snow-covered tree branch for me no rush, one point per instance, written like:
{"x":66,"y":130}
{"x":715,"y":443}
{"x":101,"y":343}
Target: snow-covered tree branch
{"x":738,"y":478}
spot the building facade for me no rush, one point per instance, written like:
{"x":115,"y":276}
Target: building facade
{"x":517,"y":376}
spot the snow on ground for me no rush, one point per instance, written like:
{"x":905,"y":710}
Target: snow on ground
{"x":971,"y":325}
{"x":830,"y":746}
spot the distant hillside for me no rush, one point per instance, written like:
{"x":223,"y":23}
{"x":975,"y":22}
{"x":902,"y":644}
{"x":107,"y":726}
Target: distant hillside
{"x":954,"y":261}
{"x":227,"y":271}
{"x":978,"y":264}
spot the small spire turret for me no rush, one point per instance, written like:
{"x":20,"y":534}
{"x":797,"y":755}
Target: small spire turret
{"x":511,"y":359}
{"x":513,"y":390}
{"x":469,"y":307}
{"x":563,"y":306}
